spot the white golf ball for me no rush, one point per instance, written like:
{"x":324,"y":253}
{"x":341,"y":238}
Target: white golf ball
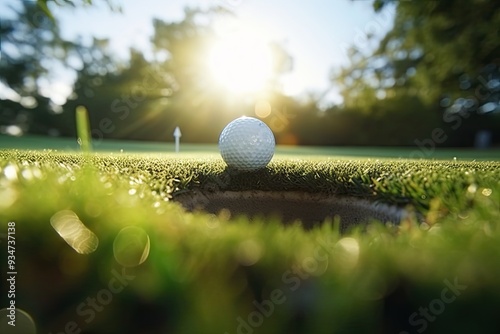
{"x":247,"y":144}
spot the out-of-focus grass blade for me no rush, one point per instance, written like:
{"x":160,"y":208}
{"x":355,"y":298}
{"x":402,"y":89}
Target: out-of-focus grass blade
{"x":83,"y":129}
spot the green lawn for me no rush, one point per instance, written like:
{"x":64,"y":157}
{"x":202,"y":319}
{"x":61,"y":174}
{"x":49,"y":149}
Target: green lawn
{"x":68,"y":144}
{"x":101,"y":247}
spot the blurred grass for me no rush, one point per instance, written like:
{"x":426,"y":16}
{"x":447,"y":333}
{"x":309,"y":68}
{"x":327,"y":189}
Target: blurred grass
{"x":206,"y":273}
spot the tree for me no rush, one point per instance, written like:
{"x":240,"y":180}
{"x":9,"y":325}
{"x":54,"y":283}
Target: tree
{"x":44,"y":5}
{"x":141,"y":98}
{"x":145,"y":99}
{"x":195,"y":102}
{"x":124,"y":101}
{"x":445,"y":53}
{"x":31,"y":47}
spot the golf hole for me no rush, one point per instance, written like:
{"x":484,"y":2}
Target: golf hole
{"x":310,"y":209}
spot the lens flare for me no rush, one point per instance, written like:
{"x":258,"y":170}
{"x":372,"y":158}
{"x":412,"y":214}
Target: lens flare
{"x":241,"y":63}
{"x":24,"y":323}
{"x":74,"y":232}
{"x":131,"y":246}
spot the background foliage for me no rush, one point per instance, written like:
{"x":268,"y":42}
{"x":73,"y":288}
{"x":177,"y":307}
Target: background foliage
{"x":438,"y":67}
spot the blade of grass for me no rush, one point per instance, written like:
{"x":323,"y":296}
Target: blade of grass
{"x":83,"y":129}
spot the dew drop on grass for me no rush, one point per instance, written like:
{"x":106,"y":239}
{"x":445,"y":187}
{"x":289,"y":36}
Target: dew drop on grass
{"x":472,"y":188}
{"x":131,"y":246}
{"x":74,"y":232}
{"x":10,"y":172}
{"x":62,"y":179}
{"x":27,"y":174}
{"x":487,"y":192}
{"x":8,"y":196}
{"x":347,"y":252}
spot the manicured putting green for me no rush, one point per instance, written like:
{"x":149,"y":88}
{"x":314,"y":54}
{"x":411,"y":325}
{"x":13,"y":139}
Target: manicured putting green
{"x":71,"y":145}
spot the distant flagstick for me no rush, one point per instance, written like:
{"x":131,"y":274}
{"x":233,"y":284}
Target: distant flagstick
{"x":177,"y":136}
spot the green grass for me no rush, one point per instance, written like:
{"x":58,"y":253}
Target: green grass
{"x":127,"y":146}
{"x":205,"y":273}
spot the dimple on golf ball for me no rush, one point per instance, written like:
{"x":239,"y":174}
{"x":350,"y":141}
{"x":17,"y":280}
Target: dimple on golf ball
{"x":247,"y":144}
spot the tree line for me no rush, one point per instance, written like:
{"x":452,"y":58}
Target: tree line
{"x":436,"y":69}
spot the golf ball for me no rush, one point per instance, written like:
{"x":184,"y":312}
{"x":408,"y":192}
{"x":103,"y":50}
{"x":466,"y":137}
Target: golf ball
{"x":247,"y":144}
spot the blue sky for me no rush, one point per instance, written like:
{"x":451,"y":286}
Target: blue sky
{"x":315,"y":32}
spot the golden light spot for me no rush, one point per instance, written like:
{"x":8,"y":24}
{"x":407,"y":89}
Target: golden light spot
{"x":131,"y":246}
{"x":74,"y":232}
{"x":224,"y":215}
{"x":10,"y":172}
{"x":212,"y":222}
{"x":249,"y":252}
{"x":487,"y":192}
{"x":27,"y":174}
{"x":262,"y":109}
{"x":347,"y":252}
{"x":8,"y":196}
{"x":472,"y":188}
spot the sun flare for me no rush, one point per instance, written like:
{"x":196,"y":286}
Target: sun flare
{"x":241,"y":63}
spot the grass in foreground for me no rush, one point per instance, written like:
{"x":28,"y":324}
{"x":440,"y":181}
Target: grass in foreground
{"x":138,"y":263}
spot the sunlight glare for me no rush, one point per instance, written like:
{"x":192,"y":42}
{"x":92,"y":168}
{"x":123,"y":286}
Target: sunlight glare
{"x":241,"y":63}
